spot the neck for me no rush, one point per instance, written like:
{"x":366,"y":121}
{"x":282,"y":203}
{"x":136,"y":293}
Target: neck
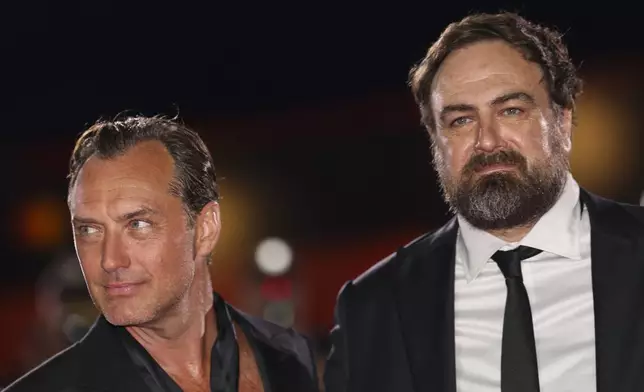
{"x":181,"y":341}
{"x":514,"y":234}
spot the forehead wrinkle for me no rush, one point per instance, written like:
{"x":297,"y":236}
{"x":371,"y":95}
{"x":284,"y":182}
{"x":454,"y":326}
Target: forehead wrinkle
{"x":100,"y":192}
{"x":492,"y":88}
{"x":482,"y":66}
{"x":116,"y":207}
{"x":113,"y":200}
{"x":146,"y":168}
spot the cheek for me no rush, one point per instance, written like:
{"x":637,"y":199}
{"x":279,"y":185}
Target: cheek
{"x":459,"y":159}
{"x":538,"y":148}
{"x":538,"y":139}
{"x":176,"y":254}
{"x":89,"y":258}
{"x":454,"y":153}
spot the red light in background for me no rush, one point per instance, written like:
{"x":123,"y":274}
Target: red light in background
{"x":277,"y":288}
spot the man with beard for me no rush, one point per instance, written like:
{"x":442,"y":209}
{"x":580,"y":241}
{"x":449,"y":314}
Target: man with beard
{"x":144,"y":203}
{"x":534,"y":284}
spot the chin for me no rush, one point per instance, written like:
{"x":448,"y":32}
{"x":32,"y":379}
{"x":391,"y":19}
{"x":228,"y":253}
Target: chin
{"x":125,"y":319}
{"x":127,"y":314}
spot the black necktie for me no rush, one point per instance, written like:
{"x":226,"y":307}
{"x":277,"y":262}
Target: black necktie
{"x":519,"y":371}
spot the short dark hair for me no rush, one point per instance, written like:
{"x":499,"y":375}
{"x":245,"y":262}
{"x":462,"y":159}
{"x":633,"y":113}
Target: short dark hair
{"x":194,"y":179}
{"x":538,"y":44}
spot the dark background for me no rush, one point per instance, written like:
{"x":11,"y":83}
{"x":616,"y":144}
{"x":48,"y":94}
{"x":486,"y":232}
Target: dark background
{"x":305,"y":109}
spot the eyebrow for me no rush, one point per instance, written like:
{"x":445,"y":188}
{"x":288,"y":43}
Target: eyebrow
{"x":517,"y":95}
{"x":138,"y":213}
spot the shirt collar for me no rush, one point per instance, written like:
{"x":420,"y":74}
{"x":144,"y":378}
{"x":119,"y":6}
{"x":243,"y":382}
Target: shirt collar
{"x":224,"y":373}
{"x":556,"y":232}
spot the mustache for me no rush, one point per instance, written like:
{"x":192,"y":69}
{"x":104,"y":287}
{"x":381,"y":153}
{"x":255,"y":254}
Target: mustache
{"x":504,"y":157}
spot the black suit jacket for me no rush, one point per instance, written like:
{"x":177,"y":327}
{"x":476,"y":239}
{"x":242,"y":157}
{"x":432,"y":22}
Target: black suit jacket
{"x":395,"y":323}
{"x":100,"y":362}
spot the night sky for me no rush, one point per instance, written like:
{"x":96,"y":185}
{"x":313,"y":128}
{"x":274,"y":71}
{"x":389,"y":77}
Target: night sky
{"x":67,"y":63}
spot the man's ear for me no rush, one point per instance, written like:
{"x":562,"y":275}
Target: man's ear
{"x":207,"y":228}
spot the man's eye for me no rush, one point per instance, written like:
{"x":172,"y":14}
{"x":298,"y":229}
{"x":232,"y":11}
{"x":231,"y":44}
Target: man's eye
{"x":86,"y":230}
{"x":459,"y":122}
{"x":138,"y":224}
{"x":512,"y":111}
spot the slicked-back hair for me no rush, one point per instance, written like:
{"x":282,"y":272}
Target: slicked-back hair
{"x":194,"y":178}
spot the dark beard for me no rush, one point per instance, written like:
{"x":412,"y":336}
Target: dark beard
{"x":504,"y":200}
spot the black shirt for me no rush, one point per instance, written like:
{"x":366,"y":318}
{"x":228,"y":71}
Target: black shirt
{"x":224,"y":371}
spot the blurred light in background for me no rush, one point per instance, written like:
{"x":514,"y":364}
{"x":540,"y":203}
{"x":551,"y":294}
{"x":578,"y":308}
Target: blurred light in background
{"x":273,"y":256}
{"x":232,"y":258}
{"x":62,"y":301}
{"x":605,"y":148}
{"x":43,"y":222}
{"x":280,"y":312}
{"x":276,"y":288}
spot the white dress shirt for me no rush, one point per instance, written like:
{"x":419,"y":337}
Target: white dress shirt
{"x":559,"y":286}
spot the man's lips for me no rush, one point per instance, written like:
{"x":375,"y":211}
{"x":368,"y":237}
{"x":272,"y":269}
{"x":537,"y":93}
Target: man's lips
{"x":122,"y":288}
{"x":495,"y":168}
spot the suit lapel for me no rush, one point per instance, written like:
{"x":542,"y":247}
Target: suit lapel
{"x":618,"y":294}
{"x":425,"y":299}
{"x":280,"y":369}
{"x":108,"y":366}
{"x":425,"y":302}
